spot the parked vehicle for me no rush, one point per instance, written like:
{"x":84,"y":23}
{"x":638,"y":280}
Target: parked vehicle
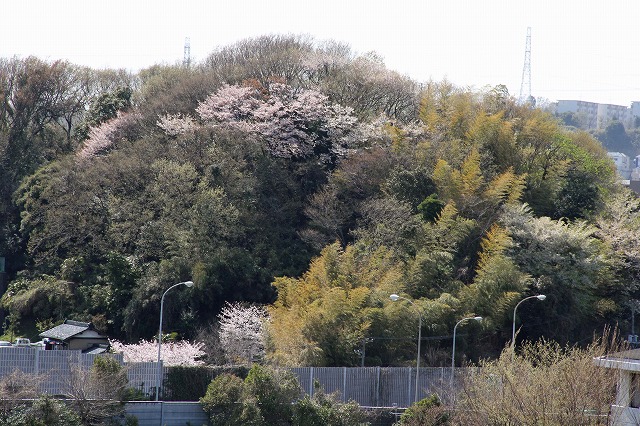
{"x":22,"y":342}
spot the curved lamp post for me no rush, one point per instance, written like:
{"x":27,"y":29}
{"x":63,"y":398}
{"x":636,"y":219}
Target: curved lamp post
{"x":188,"y":284}
{"x":513,"y":330}
{"x":395,"y":298}
{"x":453,"y":351}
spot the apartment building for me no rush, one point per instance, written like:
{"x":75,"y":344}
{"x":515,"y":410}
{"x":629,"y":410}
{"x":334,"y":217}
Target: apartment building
{"x":593,"y":115}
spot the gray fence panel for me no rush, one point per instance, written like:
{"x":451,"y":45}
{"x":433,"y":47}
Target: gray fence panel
{"x":330,"y":379}
{"x":396,"y":387}
{"x":376,"y":386}
{"x":52,"y":369}
{"x":434,"y":380}
{"x":362,"y":384}
{"x":12,"y":359}
{"x":144,"y":376}
{"x":303,"y":374}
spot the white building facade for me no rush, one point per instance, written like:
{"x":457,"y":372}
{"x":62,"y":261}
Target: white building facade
{"x":593,"y":115}
{"x":623,"y":164}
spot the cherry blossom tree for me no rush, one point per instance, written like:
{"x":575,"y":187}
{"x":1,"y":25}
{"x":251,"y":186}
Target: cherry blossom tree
{"x":103,"y":137}
{"x":176,"y":124}
{"x":242,"y":332}
{"x":294,"y":123}
{"x":181,"y":353}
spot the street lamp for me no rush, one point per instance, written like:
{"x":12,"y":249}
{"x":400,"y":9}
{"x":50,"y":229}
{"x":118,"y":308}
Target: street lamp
{"x":453,"y":352}
{"x":188,"y":284}
{"x":395,"y":298}
{"x":513,"y":331}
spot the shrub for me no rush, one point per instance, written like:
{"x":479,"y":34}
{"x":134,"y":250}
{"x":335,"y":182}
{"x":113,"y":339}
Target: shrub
{"x":426,"y":412}
{"x":274,"y":391}
{"x":325,"y":410}
{"x":44,"y":411}
{"x":272,"y":397}
{"x":545,"y":383}
{"x":97,"y":394}
{"x":224,"y":401}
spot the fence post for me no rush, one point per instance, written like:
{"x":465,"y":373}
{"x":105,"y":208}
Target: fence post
{"x":36,"y":364}
{"x":378,"y":386}
{"x":311,"y":382}
{"x":408,"y":403}
{"x":344,"y":384}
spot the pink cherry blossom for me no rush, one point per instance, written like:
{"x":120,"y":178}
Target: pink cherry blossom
{"x":182,"y":353}
{"x":293,"y":122}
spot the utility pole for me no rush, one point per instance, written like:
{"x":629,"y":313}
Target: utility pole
{"x":525,"y":86}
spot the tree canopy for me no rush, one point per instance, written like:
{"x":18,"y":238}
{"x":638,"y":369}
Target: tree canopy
{"x":302,"y":176}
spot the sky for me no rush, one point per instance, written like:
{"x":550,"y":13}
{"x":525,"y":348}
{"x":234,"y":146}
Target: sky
{"x":579,"y":50}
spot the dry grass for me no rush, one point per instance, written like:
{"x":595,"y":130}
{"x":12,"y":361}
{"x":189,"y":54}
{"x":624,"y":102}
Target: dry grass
{"x":545,"y":384}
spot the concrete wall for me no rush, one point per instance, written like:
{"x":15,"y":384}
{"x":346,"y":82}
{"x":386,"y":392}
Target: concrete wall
{"x":168,"y":413}
{"x":624,"y":416}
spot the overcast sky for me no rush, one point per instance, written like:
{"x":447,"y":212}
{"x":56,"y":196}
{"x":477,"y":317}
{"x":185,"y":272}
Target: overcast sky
{"x":580,"y":50}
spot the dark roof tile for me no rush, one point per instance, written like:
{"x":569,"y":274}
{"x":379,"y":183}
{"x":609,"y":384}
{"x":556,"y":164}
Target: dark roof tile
{"x":66,"y":330}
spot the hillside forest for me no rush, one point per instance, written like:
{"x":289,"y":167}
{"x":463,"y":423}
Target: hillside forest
{"x":303,"y":177}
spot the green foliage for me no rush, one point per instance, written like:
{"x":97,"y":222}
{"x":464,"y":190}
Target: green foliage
{"x":224,"y":401}
{"x":498,"y":284}
{"x":44,"y":297}
{"x":426,"y":173}
{"x":323,"y":409}
{"x":44,"y":411}
{"x":578,"y":196}
{"x":441,"y":258}
{"x":265,"y":397}
{"x":409,"y":185}
{"x":130,"y":420}
{"x":570,"y":261}
{"x":274,"y":391}
{"x":426,"y":412}
{"x":103,"y":108}
{"x":430,"y":208}
{"x":322,"y":318}
{"x":273,"y":397}
{"x":615,"y":139}
{"x":97,"y":395}
{"x":111,"y":374}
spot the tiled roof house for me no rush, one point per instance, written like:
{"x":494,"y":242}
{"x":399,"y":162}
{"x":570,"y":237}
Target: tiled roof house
{"x":76,"y":335}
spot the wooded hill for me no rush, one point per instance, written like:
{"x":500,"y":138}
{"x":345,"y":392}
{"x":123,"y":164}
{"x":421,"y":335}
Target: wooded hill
{"x":300,"y":175}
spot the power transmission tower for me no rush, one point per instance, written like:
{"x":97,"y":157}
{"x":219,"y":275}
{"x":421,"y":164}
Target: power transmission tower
{"x":525,"y":86}
{"x":186,"y":61}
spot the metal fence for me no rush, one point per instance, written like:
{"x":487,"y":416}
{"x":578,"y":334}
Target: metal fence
{"x":54,"y":369}
{"x":368,"y":386}
{"x":376,"y":386}
{"x":143,"y":376}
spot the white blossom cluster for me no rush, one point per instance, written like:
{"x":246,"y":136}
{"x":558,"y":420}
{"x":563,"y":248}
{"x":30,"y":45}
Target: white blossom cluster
{"x":176,"y":124}
{"x":242,"y":332}
{"x":182,"y":353}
